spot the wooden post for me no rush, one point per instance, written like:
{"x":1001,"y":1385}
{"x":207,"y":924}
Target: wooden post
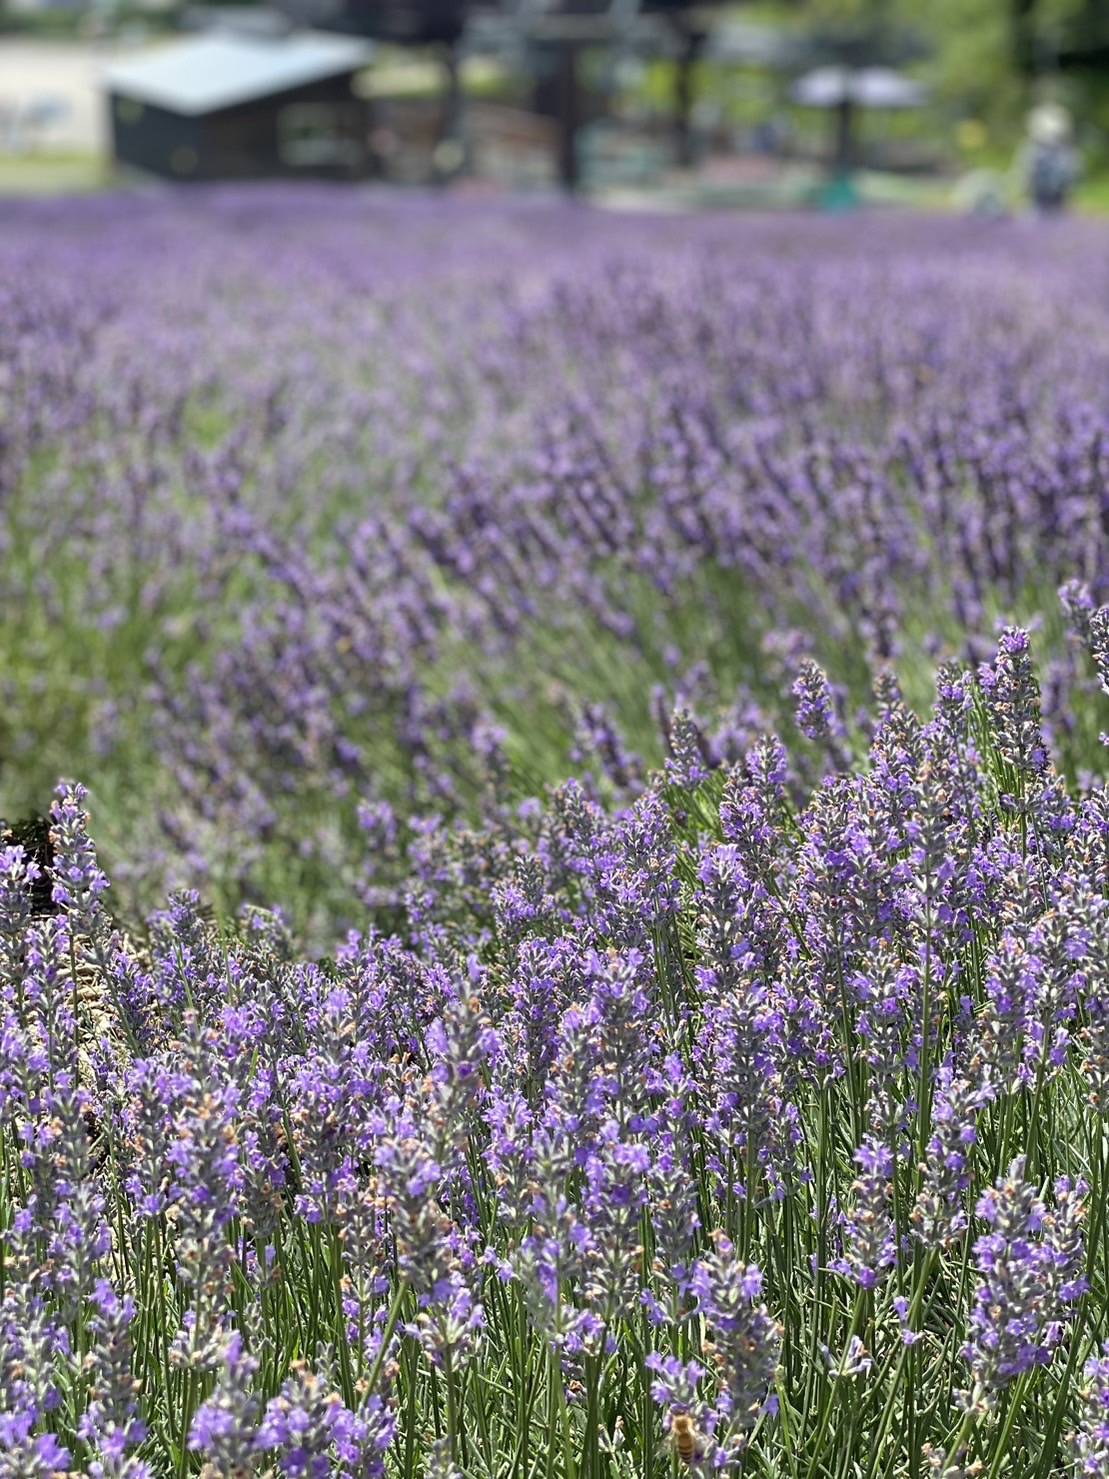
{"x":844,"y":161}
{"x":452,"y":126}
{"x":569,"y":114}
{"x":683,"y":96}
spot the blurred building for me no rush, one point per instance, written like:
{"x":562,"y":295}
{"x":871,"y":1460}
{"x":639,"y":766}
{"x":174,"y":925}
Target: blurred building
{"x":227,"y":105}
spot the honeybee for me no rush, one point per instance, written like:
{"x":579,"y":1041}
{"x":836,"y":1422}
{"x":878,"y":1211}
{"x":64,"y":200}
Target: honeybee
{"x":685,"y":1438}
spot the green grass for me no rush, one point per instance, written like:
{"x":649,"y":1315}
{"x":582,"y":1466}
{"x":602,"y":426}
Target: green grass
{"x":53,"y":174}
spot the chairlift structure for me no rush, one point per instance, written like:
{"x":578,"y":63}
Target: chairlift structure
{"x":536,"y":38}
{"x":546,"y":40}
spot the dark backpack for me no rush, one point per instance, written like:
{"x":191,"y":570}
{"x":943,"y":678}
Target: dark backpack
{"x":1051,"y":174}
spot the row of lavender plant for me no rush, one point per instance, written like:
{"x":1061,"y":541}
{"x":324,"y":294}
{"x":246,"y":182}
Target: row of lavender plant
{"x":754,"y":1128}
{"x":312,"y":500}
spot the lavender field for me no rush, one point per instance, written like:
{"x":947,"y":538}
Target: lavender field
{"x":594,"y":727}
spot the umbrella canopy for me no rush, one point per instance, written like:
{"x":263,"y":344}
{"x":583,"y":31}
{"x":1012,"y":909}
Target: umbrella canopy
{"x":864,"y":87}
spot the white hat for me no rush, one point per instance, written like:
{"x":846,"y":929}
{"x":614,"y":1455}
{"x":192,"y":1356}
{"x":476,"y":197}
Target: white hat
{"x":1049,"y":123}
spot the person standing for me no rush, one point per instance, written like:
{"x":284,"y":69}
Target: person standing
{"x":1050,"y":161}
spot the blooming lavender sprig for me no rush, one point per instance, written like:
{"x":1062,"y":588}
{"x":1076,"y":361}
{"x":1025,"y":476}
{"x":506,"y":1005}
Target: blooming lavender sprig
{"x":688,"y":761}
{"x":111,"y":1423}
{"x":1012,"y":698}
{"x":672,"y":1201}
{"x":308,"y":1432}
{"x":752,"y":807}
{"x":79,"y":881}
{"x":1090,"y":1441}
{"x":1091,"y":624}
{"x":816,"y":714}
{"x":597,"y":737}
{"x":29,"y":1341}
{"x":868,"y":1234}
{"x":724,"y":1393}
{"x":224,"y":1427}
{"x":939,"y":1213}
{"x":742,"y":1346}
{"x":1078,"y":606}
{"x":1030,"y":1264}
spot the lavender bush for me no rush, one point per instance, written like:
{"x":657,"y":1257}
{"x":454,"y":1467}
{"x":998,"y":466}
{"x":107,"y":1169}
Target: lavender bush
{"x":756,"y":1126}
{"x":324,"y":512}
{"x":737,"y":1105}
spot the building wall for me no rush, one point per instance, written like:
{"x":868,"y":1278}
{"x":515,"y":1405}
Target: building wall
{"x":316,"y":130}
{"x":153,"y":139}
{"x":268,"y":136}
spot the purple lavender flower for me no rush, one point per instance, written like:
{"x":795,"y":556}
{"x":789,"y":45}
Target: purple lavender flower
{"x":868,"y":1234}
{"x":816,"y":711}
{"x":1030,"y":1264}
{"x":225,"y":1426}
{"x":310,"y":1434}
{"x":544,"y":1106}
{"x":78,"y":879}
{"x":1012,"y":698}
{"x":940,"y":1211}
{"x":742,"y":1347}
{"x":1090,"y":1442}
{"x":688,"y":761}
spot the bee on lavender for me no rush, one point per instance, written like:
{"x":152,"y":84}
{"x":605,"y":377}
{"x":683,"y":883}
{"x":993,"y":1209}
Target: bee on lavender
{"x":686,"y":1439}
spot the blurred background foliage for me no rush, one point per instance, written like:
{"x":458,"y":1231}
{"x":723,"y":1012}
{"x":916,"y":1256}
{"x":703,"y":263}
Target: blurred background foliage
{"x":985,"y":62}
